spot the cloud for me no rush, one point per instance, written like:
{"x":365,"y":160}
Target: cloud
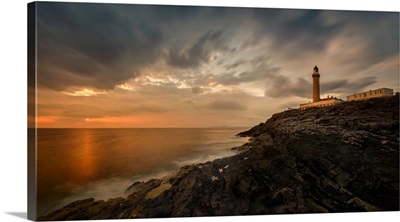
{"x":85,"y":92}
{"x":259,"y":73}
{"x":104,"y":45}
{"x":362,"y":83}
{"x":346,"y":86}
{"x":197,"y":54}
{"x":198,"y":90}
{"x":357,"y":40}
{"x":282,"y":86}
{"x":354,"y":86}
{"x":332,"y":85}
{"x":376,"y":32}
{"x":235,"y":64}
{"x":137,"y":57}
{"x":221,"y":104}
{"x":95,"y":45}
{"x":307,"y":31}
{"x":292,"y":32}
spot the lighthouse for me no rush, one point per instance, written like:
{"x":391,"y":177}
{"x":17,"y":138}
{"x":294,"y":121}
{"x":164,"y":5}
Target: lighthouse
{"x":316,"y":91}
{"x":317,"y":101}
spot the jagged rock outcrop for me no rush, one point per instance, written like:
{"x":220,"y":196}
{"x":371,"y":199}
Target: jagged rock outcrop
{"x":343,"y":158}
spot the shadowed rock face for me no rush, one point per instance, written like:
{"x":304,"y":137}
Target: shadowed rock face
{"x":343,"y":158}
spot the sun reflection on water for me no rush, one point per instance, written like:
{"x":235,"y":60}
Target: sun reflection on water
{"x":87,"y":161}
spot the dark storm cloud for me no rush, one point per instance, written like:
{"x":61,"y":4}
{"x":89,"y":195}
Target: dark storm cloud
{"x":200,"y":52}
{"x":379,"y":31}
{"x":295,"y":31}
{"x":306,"y":31}
{"x":100,"y":45}
{"x":226,"y":105}
{"x":92,"y":45}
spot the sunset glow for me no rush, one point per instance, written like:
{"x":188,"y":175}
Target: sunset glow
{"x":46,"y":119}
{"x":86,"y":92}
{"x":202,"y":67}
{"x":127,"y":87}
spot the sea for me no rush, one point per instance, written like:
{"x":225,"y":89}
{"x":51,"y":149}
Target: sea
{"x":74,"y":164}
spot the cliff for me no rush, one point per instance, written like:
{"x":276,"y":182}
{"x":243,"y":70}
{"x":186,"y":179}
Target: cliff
{"x":342,"y":158}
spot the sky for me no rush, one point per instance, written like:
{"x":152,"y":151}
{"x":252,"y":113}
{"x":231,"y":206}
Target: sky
{"x":118,"y":65}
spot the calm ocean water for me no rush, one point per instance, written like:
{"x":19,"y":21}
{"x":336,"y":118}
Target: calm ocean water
{"x":73,"y":164}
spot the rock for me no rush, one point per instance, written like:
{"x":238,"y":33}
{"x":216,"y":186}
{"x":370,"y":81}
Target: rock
{"x":134,"y":187}
{"x":157,"y":191}
{"x":342,"y":158}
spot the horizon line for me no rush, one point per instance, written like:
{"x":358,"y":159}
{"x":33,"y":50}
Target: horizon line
{"x":195,"y":127}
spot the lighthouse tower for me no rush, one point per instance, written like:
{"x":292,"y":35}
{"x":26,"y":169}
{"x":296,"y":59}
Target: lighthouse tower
{"x":317,"y":101}
{"x":315,"y":77}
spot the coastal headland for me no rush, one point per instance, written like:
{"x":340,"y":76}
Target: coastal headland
{"x":342,"y":158}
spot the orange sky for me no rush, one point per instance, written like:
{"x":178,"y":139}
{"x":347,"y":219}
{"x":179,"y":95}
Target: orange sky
{"x":107,"y":65}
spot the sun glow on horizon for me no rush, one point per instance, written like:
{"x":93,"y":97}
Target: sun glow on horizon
{"x":127,"y":87}
{"x":86,"y":92}
{"x":46,"y":119}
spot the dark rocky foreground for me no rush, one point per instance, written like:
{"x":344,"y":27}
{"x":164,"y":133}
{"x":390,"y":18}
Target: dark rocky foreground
{"x":343,"y":158}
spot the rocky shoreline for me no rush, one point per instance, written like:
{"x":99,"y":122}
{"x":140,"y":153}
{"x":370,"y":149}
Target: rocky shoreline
{"x":342,"y":158}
